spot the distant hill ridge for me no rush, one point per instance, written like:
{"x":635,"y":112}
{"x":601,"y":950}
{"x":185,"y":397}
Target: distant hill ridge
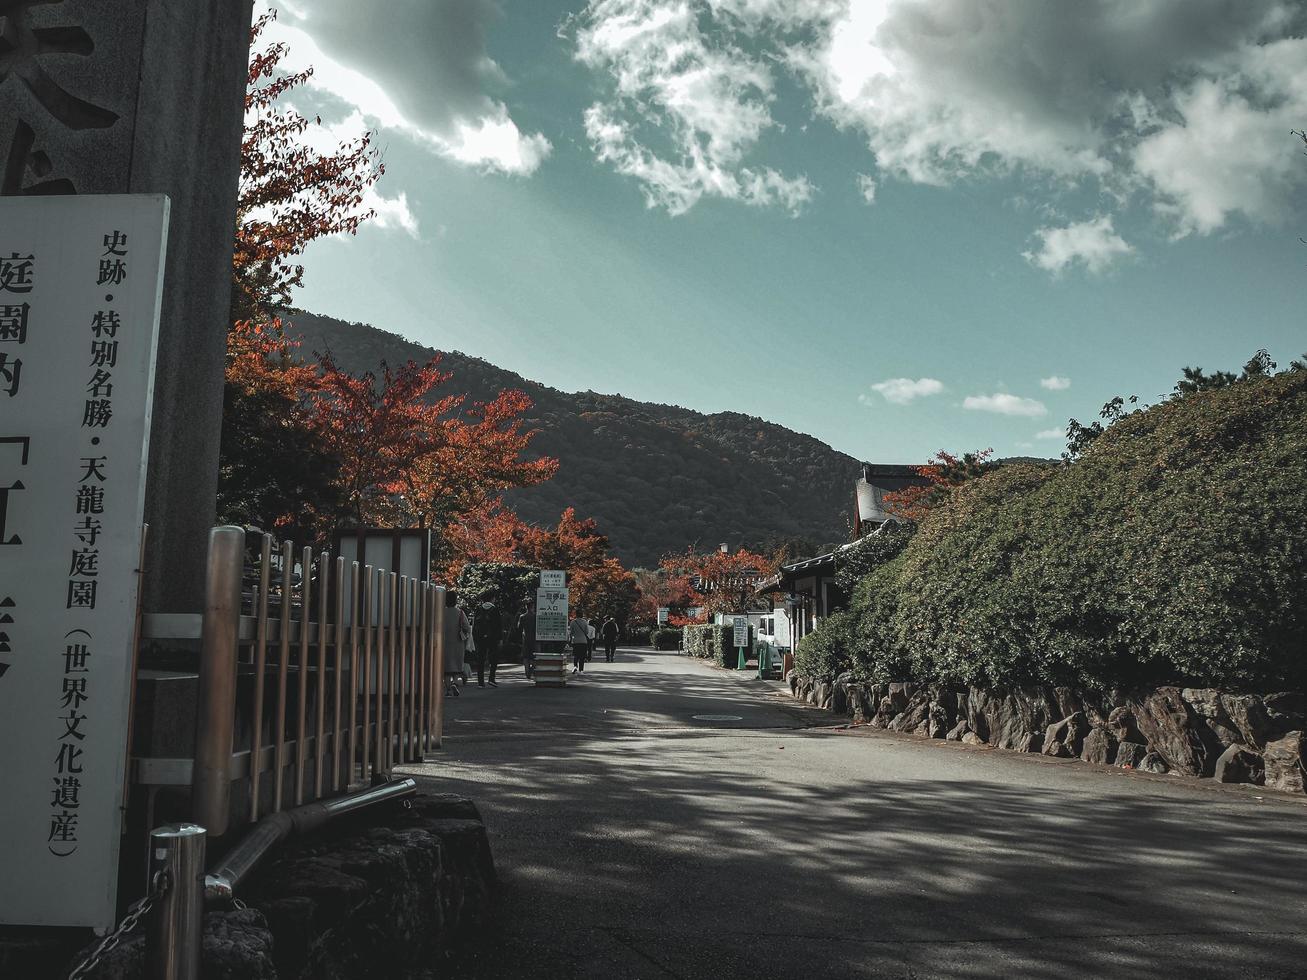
{"x":657,"y":478}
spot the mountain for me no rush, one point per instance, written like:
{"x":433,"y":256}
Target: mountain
{"x":657,"y":478}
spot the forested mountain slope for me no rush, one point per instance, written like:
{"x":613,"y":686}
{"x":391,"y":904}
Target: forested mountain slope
{"x":656,"y":477}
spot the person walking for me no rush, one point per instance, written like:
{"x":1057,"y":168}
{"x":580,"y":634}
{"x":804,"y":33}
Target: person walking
{"x":487,"y":635}
{"x":579,"y":636}
{"x":458,"y":634}
{"x":590,"y":633}
{"x":610,"y":633}
{"x":526,"y":632}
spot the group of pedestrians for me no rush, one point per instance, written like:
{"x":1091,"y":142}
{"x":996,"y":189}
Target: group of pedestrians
{"x":582,"y":635}
{"x":479,"y":640}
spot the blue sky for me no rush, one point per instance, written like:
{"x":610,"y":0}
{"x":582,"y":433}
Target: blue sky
{"x":898,"y":225}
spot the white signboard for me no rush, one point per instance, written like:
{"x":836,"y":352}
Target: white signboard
{"x":741,"y":625}
{"x":663,"y":612}
{"x":553,"y":580}
{"x":80,"y":281}
{"x":551,"y":615}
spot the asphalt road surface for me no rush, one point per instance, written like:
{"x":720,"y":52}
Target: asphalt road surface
{"x":636,"y":840}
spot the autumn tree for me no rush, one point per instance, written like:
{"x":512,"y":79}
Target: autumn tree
{"x":276,"y":472}
{"x":290,"y":193}
{"x":477,"y":457}
{"x":379,"y":427}
{"x":943,"y":472}
{"x":720,"y":581}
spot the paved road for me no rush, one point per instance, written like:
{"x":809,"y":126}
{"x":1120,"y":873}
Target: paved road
{"x":636,"y":841}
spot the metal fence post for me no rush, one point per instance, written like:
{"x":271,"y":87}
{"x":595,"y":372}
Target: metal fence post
{"x":215,"y":717}
{"x":175,"y":926}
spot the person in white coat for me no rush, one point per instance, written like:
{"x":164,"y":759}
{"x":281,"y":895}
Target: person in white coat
{"x":578,"y":634}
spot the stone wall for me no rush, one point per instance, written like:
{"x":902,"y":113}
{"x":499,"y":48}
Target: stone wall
{"x":1200,"y":732}
{"x":380,"y":896}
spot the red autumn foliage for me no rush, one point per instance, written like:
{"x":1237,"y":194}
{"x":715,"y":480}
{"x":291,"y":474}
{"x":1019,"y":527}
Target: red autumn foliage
{"x":944,"y":471}
{"x":290,"y":194}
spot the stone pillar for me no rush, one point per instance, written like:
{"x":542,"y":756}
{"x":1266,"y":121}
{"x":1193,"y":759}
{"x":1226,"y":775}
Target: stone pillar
{"x":146,"y":96}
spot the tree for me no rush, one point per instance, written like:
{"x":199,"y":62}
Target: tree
{"x":944,"y":471}
{"x":275,"y":471}
{"x":380,"y":428}
{"x":720,"y":582}
{"x":290,"y":194}
{"x":472,"y":461}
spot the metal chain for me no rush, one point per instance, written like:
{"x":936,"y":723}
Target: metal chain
{"x":158,"y":885}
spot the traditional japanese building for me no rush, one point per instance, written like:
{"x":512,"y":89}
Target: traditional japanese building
{"x":808,"y":585}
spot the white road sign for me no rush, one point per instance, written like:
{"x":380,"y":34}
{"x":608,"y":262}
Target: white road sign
{"x":553,"y":579}
{"x":551,"y":615}
{"x":741,"y":624}
{"x":80,"y":280}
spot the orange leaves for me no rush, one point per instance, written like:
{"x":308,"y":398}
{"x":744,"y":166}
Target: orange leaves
{"x":290,"y":194}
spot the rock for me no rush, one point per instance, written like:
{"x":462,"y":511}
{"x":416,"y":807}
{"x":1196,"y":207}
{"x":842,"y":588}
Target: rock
{"x":1130,"y":754}
{"x":1285,"y":763}
{"x":1240,"y":764}
{"x":1063,"y":739}
{"x":1167,"y":724}
{"x":959,"y":730}
{"x":839,"y":698}
{"x":1121,"y":723}
{"x":863,"y":705}
{"x":1030,"y":742}
{"x":793,"y":680}
{"x":971,"y":738}
{"x":1008,"y":717}
{"x":914,"y":714}
{"x":1205,"y":702}
{"x":937,"y":722}
{"x":821,"y":694}
{"x":1219,"y":734}
{"x":900,"y":695}
{"x":1152,"y":762}
{"x":885,"y":712}
{"x":1100,"y":747}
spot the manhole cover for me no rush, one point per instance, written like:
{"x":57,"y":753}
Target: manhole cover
{"x":719,"y":717}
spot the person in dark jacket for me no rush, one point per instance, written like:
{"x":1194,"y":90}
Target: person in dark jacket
{"x":487,"y":635}
{"x":610,"y":632}
{"x":526,"y":631}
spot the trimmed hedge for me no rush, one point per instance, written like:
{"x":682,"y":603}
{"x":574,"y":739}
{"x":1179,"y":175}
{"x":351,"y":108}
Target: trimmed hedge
{"x":664,"y":638}
{"x":1173,"y":551}
{"x":714,"y":642}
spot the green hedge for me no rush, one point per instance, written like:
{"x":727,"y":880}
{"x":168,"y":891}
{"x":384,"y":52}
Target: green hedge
{"x":715,"y":643}
{"x":664,"y":638}
{"x":1174,"y":550}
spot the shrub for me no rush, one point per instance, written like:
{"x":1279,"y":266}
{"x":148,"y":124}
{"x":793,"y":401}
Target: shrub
{"x":714,"y":642}
{"x":1173,"y":550}
{"x":662,"y":638}
{"x":877,"y":652}
{"x":865,"y":555}
{"x":825,"y":651}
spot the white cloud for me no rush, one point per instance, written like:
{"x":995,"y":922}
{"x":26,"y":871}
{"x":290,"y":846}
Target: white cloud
{"x":867,"y":188}
{"x":1050,"y":434}
{"x":1004,"y":403}
{"x":420,"y":69}
{"x":1188,"y":101}
{"x":1094,"y":243}
{"x":1055,"y":382}
{"x":705,"y":99}
{"x":901,"y":391}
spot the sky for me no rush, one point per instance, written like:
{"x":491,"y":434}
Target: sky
{"x":898,"y":225}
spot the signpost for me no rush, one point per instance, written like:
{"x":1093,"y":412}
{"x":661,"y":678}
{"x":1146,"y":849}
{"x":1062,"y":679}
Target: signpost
{"x":663,"y":612}
{"x":551,"y":628}
{"x":740,"y":626}
{"x":80,"y":285}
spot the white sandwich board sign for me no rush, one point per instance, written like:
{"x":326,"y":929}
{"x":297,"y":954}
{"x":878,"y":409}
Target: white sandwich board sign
{"x":80,"y":283}
{"x":551,"y":607}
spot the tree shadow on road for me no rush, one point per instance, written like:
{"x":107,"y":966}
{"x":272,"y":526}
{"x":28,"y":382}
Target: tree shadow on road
{"x":687,"y":854}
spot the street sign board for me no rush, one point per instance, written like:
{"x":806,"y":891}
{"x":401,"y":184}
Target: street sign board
{"x":741,"y":625}
{"x":553,"y":579}
{"x":663,"y":613}
{"x":551,"y":615}
{"x":80,"y":284}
